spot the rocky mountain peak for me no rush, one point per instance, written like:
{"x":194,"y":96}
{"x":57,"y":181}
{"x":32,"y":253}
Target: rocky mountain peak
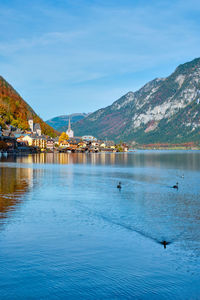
{"x":154,"y":113}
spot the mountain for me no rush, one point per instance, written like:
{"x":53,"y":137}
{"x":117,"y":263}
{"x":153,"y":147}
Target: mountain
{"x":163,"y":110}
{"x":60,"y":123}
{"x":15,"y":111}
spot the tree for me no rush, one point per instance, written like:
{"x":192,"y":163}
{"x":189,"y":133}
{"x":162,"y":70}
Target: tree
{"x":63,"y":137}
{"x":119,"y":147}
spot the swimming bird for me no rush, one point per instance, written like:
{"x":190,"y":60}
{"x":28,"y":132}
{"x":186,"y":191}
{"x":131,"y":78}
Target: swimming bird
{"x":164,"y":243}
{"x":175,"y":186}
{"x":119,"y":186}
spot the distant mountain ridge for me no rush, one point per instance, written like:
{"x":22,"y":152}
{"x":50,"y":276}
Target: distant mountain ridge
{"x":163,"y":110}
{"x":16,"y":111}
{"x":60,"y":123}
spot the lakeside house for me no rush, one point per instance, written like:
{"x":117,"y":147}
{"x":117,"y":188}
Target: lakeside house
{"x":64,"y":144}
{"x":34,"y":141}
{"x":82,"y":144}
{"x":90,"y":144}
{"x":50,"y":144}
{"x":88,"y":138}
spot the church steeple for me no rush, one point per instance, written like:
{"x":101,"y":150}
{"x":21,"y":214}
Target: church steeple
{"x":69,"y":131}
{"x":69,"y":124}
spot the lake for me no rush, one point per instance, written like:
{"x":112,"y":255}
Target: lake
{"x":67,"y":232}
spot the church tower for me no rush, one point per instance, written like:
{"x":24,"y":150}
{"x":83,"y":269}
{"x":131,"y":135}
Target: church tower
{"x":69,"y":131}
{"x":30,"y":122}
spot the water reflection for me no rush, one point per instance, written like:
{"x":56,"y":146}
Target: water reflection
{"x":73,"y":228}
{"x":189,"y":160}
{"x":14,"y":182}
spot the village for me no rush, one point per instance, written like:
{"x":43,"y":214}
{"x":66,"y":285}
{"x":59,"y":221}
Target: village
{"x":14,"y":140}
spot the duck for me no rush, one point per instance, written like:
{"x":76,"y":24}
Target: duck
{"x":175,"y":186}
{"x":164,"y":243}
{"x":119,"y":186}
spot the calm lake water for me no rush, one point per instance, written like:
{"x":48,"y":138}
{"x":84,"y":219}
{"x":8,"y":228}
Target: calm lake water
{"x":67,"y":232}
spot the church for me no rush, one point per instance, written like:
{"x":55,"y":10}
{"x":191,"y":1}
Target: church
{"x":35,"y":128}
{"x":69,"y":131}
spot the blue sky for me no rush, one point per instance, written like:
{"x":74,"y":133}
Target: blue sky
{"x":69,"y":56}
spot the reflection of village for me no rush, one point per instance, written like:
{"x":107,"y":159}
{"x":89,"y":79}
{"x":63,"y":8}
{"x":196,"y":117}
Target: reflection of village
{"x":15,"y":140}
{"x":104,"y":158}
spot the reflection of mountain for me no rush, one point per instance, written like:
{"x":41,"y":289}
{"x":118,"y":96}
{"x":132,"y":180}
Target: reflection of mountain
{"x":14,"y":182}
